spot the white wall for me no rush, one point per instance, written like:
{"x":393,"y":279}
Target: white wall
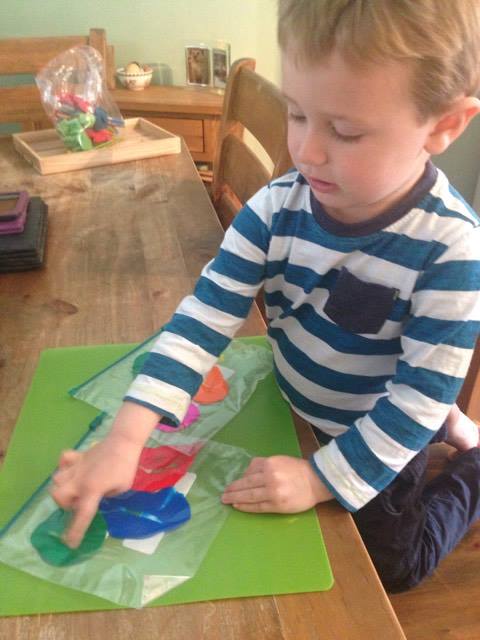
{"x":153,"y":30}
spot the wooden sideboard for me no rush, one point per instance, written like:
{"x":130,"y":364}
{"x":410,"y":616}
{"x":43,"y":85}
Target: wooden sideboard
{"x":191,"y":112}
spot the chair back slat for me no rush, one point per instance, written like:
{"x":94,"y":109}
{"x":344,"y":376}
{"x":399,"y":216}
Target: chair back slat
{"x":29,"y":55}
{"x":256,"y":105}
{"x":256,"y":102}
{"x":237,"y":156}
{"x":21,"y":104}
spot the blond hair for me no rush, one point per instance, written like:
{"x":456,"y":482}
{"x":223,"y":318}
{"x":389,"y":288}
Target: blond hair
{"x":440,"y":39}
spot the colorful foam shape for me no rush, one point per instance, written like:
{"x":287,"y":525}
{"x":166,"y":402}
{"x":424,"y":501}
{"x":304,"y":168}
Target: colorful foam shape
{"x":138,"y":514}
{"x":47,"y":539}
{"x":98,"y":137}
{"x":213,"y":389}
{"x":192,"y":415}
{"x":160,"y":467}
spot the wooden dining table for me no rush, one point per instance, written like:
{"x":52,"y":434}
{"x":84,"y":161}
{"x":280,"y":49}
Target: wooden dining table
{"x":125,"y":244}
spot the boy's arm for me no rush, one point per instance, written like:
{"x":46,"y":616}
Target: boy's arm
{"x":437,"y":344}
{"x":206,"y":321}
{"x":187,"y":348}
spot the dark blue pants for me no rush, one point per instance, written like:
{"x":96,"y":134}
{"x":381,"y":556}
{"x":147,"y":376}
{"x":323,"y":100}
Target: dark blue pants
{"x":411,"y":525}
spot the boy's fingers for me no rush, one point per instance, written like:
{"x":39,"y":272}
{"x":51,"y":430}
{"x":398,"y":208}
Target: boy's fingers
{"x":254,"y":480}
{"x":61,"y":476}
{"x":62,"y":495}
{"x":68,"y":458}
{"x":256,"y":507}
{"x":84,"y":513}
{"x":250,"y":496}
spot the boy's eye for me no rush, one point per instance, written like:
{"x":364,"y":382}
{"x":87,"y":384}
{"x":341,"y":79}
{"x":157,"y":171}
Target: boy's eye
{"x":345,"y":137}
{"x":296,"y":117}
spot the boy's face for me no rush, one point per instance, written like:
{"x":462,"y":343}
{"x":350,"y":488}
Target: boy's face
{"x":354,"y":134}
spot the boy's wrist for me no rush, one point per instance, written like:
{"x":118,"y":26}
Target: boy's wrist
{"x":123,"y":440}
{"x":322,"y":494}
{"x":133,"y":425}
{"x":319,"y":489}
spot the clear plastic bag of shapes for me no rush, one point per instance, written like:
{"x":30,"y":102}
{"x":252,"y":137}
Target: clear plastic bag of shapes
{"x":75,"y":97}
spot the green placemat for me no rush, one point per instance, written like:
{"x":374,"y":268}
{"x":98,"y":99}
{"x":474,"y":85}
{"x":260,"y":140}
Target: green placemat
{"x":253,"y":555}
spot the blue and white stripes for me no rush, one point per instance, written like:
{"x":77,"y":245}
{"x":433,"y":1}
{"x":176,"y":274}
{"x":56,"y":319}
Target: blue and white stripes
{"x":382,"y":394}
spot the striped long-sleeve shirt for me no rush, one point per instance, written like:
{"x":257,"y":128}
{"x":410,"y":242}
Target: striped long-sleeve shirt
{"x":372,"y":324}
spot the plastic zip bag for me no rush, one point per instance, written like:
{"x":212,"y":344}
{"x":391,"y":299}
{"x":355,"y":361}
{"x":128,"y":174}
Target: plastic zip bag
{"x":249,"y":363}
{"x":134,"y":572}
{"x":75,"y":97}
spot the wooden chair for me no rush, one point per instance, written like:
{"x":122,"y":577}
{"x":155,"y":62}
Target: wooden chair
{"x":254,"y":104}
{"x":21,"y":104}
{"x":469,"y":397}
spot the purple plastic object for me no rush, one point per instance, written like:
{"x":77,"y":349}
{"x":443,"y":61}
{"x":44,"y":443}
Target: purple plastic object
{"x":18,"y":223}
{"x":138,"y":514}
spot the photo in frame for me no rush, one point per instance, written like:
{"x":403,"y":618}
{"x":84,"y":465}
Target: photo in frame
{"x":197,"y":59}
{"x":220,"y":66}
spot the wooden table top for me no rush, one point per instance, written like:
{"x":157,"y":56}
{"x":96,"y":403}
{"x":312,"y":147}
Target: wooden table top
{"x":125,"y":243}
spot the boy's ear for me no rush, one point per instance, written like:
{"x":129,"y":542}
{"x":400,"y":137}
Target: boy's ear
{"x":451,"y":124}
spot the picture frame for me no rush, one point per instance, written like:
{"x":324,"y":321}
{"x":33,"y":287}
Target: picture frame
{"x":220,"y":66}
{"x":197,"y":62}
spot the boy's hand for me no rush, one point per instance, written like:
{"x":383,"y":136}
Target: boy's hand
{"x":108,"y":468}
{"x":83,"y":478}
{"x":279,"y":484}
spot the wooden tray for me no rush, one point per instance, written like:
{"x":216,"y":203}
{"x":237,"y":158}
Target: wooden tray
{"x":45,"y":151}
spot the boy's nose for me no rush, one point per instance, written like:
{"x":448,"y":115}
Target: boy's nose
{"x":312,"y":151}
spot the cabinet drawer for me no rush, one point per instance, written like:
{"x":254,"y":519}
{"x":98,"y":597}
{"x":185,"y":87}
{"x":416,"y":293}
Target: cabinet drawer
{"x":190,"y":130}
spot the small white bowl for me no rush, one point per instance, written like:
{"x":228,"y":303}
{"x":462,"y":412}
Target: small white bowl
{"x":135,"y":81}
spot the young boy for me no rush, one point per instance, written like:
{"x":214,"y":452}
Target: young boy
{"x":370,"y":264}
